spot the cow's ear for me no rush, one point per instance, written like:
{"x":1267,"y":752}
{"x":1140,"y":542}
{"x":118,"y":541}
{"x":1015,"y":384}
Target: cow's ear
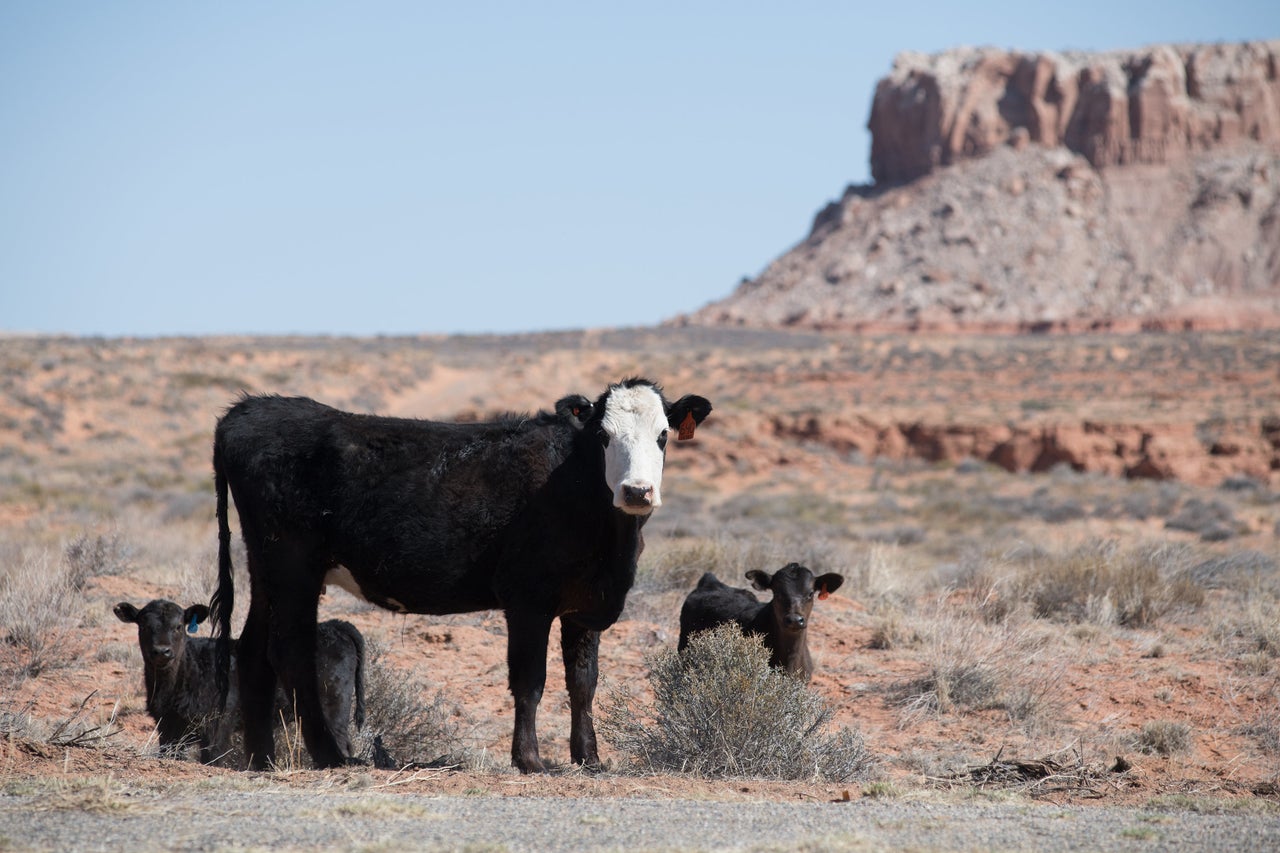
{"x":760,"y":580}
{"x":827,"y":584}
{"x":685,"y":414}
{"x":195,"y":614}
{"x":126,"y":612}
{"x":575,"y":408}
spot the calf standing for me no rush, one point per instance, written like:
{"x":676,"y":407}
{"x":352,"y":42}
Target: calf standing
{"x":182,"y":692}
{"x":782,"y":622}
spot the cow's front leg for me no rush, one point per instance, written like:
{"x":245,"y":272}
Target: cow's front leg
{"x":527,"y":675}
{"x":581,"y":649}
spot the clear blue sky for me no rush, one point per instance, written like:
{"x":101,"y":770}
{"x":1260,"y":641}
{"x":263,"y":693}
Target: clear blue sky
{"x":404,"y":167}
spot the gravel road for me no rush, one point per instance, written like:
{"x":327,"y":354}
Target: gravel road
{"x":291,"y":820}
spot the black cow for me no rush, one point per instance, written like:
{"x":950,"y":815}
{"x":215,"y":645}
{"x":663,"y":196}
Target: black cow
{"x":182,"y":692}
{"x":783,"y":622}
{"x":538,"y":516}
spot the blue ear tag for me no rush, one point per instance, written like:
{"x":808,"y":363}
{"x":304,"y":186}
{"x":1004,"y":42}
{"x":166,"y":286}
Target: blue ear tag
{"x":194,"y":626}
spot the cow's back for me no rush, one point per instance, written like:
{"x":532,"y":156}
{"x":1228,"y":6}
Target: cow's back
{"x":713,"y":603}
{"x":272,"y":450}
{"x":421,"y":512}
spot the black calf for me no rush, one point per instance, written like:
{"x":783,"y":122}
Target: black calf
{"x":782,"y":622}
{"x":182,"y":692}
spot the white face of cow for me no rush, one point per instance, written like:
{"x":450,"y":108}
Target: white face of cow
{"x":634,"y":433}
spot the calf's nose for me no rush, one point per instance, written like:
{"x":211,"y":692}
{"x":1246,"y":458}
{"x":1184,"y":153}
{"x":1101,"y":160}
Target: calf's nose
{"x":795,"y":621}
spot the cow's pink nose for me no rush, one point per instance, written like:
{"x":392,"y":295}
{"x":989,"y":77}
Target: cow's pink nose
{"x":637,"y":495}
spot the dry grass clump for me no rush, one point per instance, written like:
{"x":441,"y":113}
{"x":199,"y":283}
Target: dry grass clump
{"x":95,"y":555}
{"x":1102,"y":583}
{"x":1251,"y":572}
{"x":1212,"y":519}
{"x":1264,"y":727}
{"x":880,"y":573}
{"x":890,"y":629}
{"x":41,"y":605}
{"x":1163,"y":737}
{"x":676,"y":565}
{"x":75,"y":730}
{"x":1253,"y":633}
{"x":402,"y":727}
{"x":974,"y":664}
{"x":720,"y":710}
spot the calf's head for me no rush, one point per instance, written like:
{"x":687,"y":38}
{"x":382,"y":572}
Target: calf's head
{"x":162,"y":628}
{"x":794,"y":587}
{"x":635,"y":422}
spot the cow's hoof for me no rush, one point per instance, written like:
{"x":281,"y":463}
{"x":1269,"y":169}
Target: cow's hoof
{"x":529,"y":765}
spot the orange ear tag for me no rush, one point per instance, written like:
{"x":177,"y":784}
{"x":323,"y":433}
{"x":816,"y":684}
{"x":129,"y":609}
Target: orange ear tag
{"x":823,"y":593}
{"x":687,"y":426}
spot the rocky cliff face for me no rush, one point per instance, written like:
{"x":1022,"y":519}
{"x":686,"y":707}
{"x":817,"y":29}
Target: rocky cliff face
{"x":1041,"y":191}
{"x":1157,"y":105}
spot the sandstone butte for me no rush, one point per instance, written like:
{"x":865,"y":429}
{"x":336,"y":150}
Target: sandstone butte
{"x":1051,"y":192}
{"x":1048,"y":192}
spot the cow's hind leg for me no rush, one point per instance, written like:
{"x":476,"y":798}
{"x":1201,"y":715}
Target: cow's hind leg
{"x":581,"y":648}
{"x":257,"y":686}
{"x":527,"y":673}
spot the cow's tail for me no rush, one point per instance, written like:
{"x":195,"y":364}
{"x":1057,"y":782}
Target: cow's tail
{"x":224,"y":597}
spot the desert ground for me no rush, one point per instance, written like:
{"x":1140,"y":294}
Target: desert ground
{"x":1061,"y":560}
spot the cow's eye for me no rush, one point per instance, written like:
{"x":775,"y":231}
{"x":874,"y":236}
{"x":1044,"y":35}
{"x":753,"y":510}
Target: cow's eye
{"x":662,"y":439}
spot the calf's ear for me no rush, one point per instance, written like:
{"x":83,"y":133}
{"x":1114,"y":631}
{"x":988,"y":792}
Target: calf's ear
{"x":126,"y":612}
{"x":760,"y":580}
{"x":195,"y":614}
{"x":575,"y":408}
{"x":827,"y":584}
{"x":686,"y":413}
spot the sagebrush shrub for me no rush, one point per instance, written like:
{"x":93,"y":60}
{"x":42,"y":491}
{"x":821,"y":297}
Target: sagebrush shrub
{"x":720,"y":710}
{"x":41,"y":604}
{"x":1163,"y":737}
{"x":89,"y":556}
{"x":1102,"y":583}
{"x":404,"y":722}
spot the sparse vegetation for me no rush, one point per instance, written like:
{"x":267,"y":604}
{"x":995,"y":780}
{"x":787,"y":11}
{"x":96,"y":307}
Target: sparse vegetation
{"x":980,"y":606}
{"x":720,"y":710}
{"x":1163,"y":737}
{"x":1105,"y":583}
{"x":41,"y":606}
{"x":402,"y":727}
{"x":972,"y":664}
{"x":95,"y":555}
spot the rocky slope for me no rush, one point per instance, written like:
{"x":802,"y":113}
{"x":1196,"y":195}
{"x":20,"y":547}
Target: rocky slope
{"x":1049,"y":191}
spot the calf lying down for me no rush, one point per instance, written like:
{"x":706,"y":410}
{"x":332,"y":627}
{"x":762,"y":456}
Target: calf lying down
{"x":782,"y":622}
{"x":182,"y":692}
